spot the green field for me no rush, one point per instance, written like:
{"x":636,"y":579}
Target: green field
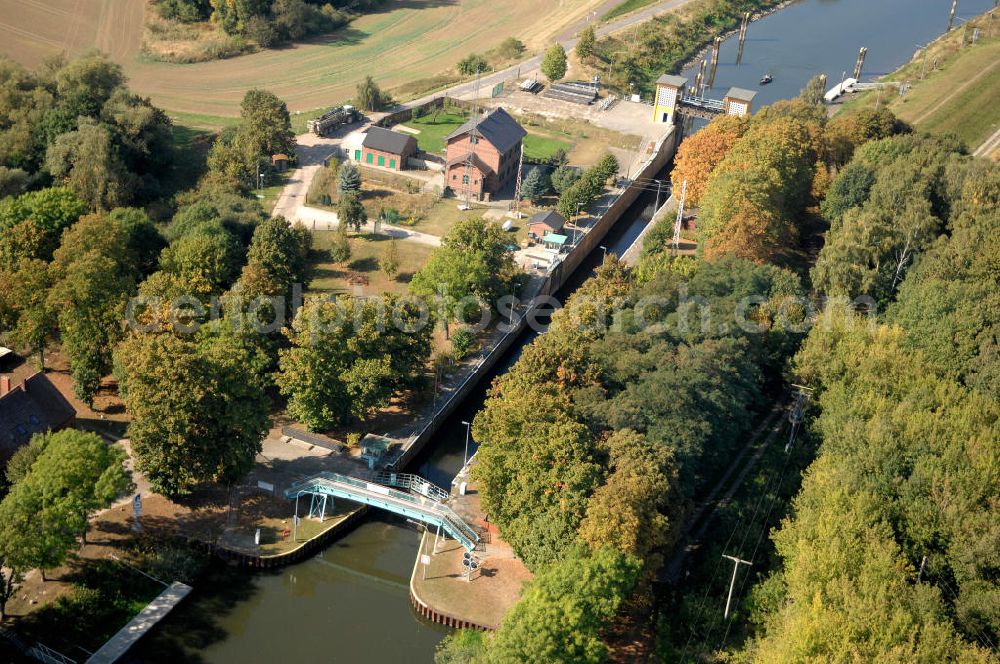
{"x":541,"y":148}
{"x":400,"y":44}
{"x":434,"y":127}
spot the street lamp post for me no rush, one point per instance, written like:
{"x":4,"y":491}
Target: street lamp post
{"x":468,"y":429}
{"x":576,"y":223}
{"x":605,"y":256}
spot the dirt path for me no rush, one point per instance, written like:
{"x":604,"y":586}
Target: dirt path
{"x":989,"y":145}
{"x":954,"y":92}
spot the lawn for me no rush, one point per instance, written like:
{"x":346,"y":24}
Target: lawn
{"x":273,"y":184}
{"x":539,"y":145}
{"x":444,"y":215}
{"x":330,"y":277}
{"x":626,"y":7}
{"x":434,"y":127}
{"x":540,"y":148}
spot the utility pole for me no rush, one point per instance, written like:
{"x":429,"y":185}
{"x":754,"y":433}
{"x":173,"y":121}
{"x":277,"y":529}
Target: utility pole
{"x":732,"y":582}
{"x":951,"y":16}
{"x":468,"y":428}
{"x":797,"y":414}
{"x":923,"y":563}
{"x":680,"y":218}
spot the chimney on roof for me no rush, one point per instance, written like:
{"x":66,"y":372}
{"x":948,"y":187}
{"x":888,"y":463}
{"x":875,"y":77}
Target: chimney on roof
{"x":4,"y":385}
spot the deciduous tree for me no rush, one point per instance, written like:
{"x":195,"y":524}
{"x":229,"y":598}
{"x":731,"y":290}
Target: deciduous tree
{"x":473,"y":261}
{"x":351,"y":212}
{"x":585,"y":45}
{"x":389,"y":262}
{"x":349,"y":359}
{"x":699,"y":154}
{"x":554,"y":63}
{"x":197,"y":412}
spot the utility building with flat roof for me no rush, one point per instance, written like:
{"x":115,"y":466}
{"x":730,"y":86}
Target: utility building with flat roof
{"x":738,"y":102}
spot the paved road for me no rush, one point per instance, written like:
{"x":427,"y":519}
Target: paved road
{"x":568,"y":41}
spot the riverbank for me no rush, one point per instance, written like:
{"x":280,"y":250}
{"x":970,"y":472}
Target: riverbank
{"x":950,"y":87}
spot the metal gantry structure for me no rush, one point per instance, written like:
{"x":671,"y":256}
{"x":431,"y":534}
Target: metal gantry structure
{"x":517,"y":185}
{"x":797,"y":413}
{"x":329,"y":486}
{"x":470,"y":158}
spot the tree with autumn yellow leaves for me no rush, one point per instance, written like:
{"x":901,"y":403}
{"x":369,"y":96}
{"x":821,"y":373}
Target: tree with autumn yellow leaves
{"x":699,"y":154}
{"x":758,"y":191}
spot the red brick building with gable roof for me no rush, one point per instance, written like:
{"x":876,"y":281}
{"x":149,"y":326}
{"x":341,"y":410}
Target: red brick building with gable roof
{"x":494,"y":164}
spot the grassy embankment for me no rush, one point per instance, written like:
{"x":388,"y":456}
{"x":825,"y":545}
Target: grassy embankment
{"x":626,"y":7}
{"x":960,"y":92}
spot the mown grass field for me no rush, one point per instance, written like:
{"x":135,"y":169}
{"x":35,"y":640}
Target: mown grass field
{"x":331,"y":277}
{"x":411,"y":39}
{"x":961,"y":96}
{"x":434,"y":127}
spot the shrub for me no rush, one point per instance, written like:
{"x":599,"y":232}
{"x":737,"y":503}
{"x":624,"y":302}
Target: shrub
{"x":472,"y":64}
{"x":462,"y":341}
{"x":510,"y":48}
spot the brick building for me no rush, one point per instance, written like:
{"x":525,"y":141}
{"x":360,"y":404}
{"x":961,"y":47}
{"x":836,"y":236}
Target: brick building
{"x":493,"y":165}
{"x":386,"y":148}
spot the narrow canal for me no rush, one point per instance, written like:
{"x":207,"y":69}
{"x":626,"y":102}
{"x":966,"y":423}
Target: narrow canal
{"x":350,"y":603}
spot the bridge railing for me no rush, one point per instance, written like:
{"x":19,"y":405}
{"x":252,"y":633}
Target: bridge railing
{"x":414,"y":483}
{"x":703,"y":102}
{"x":434,"y":511}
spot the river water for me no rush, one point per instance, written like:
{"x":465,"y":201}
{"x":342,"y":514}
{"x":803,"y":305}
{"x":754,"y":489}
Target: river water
{"x":350,"y":603}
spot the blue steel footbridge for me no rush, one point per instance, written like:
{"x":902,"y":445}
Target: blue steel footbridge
{"x":426,"y":504}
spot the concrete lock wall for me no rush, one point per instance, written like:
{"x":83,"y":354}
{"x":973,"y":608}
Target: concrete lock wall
{"x":662,"y":155}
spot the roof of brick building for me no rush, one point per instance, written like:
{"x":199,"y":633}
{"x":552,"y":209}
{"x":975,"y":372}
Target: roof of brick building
{"x":386,"y":140}
{"x":498,"y":127}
